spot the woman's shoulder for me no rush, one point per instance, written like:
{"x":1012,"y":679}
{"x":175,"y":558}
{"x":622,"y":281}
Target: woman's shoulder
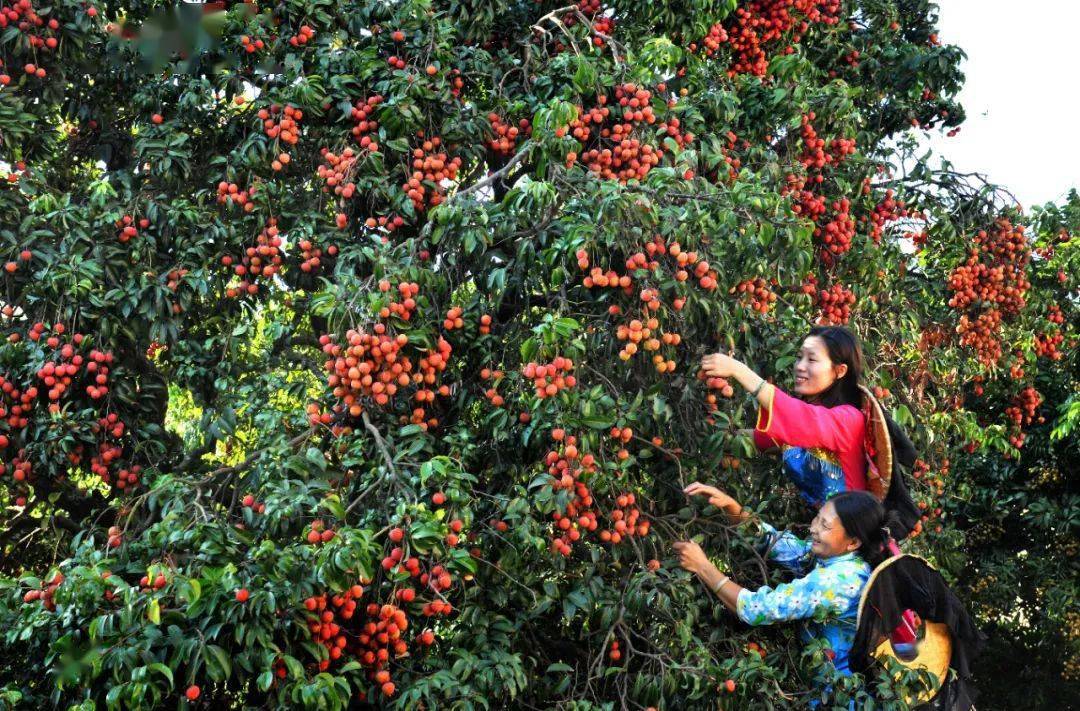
{"x":849,"y":410}
{"x":850,"y":563}
{"x":851,"y":415}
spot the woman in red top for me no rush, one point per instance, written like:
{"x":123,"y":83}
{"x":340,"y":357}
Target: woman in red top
{"x":821,"y":430}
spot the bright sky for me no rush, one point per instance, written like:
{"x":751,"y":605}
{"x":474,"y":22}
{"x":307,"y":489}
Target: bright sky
{"x":1022,"y":94}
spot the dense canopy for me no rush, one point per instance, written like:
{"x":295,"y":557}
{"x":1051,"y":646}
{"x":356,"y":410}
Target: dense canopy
{"x":351,"y":348}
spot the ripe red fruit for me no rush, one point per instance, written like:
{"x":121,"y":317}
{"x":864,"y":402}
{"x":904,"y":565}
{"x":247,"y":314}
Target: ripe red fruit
{"x":388,"y":688}
{"x":192,"y":692}
{"x":730,"y":685}
{"x":157,"y":118}
{"x":242,"y":595}
{"x":92,"y":12}
{"x":438,"y":498}
{"x":248,"y":501}
{"x":396,"y":534}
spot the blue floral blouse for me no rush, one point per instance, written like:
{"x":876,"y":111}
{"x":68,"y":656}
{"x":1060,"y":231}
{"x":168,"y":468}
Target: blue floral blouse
{"x":826,"y":598}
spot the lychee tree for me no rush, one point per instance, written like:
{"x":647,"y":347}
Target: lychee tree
{"x":351,"y":348}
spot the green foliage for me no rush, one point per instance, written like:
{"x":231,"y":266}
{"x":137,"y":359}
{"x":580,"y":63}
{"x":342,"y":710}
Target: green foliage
{"x":210,"y":228}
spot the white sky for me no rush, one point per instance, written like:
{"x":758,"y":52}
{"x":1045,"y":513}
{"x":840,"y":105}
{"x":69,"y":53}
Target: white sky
{"x":1022,"y":94}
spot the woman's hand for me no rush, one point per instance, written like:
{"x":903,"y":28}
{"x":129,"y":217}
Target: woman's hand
{"x":691,"y":557}
{"x":718,"y":365}
{"x":716,"y":497}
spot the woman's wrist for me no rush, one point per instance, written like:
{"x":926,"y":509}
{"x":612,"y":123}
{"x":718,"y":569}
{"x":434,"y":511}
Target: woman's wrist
{"x":709,"y":574}
{"x":747,"y":377}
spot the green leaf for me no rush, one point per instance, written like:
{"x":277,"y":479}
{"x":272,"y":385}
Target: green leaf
{"x":296,"y":669}
{"x":597,"y":422}
{"x":265,"y":680}
{"x":528,"y":349}
{"x":584,"y":75}
{"x":164,"y":671}
{"x":218,"y":663}
{"x":193,"y":590}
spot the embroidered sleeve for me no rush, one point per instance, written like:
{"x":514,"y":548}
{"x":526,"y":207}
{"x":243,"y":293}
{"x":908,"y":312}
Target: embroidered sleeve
{"x":824,"y":592}
{"x":789,"y":420}
{"x":764,"y":442}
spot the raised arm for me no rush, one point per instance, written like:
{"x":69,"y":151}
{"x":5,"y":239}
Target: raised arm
{"x":736,"y":514}
{"x":791,"y":421}
{"x":785,"y":548}
{"x":783,"y":419}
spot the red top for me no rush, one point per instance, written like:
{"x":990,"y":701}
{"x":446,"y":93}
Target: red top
{"x":840,"y":430}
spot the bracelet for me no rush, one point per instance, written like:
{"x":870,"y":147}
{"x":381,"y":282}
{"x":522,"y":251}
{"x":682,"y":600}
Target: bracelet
{"x":758,"y":389}
{"x":718,"y":588}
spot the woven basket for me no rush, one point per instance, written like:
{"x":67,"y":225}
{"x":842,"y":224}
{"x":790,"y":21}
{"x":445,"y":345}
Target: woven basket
{"x":934,"y":649}
{"x":878,"y":445}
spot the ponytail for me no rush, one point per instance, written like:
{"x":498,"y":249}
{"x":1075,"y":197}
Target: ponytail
{"x":898,"y":502}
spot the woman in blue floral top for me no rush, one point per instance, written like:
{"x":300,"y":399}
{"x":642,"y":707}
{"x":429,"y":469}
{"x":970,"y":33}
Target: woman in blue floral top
{"x":847,"y":538}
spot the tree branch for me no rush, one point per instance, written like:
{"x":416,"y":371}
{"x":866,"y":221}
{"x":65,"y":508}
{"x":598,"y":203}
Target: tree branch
{"x":380,"y":444}
{"x":224,"y":473}
{"x":498,"y":174}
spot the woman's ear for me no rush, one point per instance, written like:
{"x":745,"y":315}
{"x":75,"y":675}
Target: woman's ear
{"x":853,"y":544}
{"x":841,"y":371}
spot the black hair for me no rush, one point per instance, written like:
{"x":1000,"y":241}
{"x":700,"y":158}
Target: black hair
{"x":843,"y":347}
{"x":898,"y":502}
{"x":865,"y":519}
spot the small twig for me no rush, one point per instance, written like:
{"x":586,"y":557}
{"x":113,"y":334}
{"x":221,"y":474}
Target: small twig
{"x":553,"y":17}
{"x":225,"y":472}
{"x":380,"y":444}
{"x":361,"y":496}
{"x":498,"y":174}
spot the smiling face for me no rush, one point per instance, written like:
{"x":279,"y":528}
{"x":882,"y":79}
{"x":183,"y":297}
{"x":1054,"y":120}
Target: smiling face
{"x":827,"y":535}
{"x":814,"y":370}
